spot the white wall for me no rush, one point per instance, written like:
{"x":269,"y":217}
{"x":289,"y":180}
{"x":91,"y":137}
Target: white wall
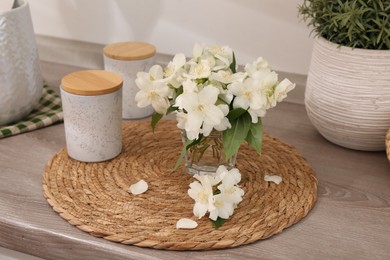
{"x":268,"y":28}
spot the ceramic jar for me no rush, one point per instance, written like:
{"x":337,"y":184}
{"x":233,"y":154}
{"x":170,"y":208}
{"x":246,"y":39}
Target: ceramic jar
{"x":92,"y":105}
{"x":20,"y":74}
{"x":128,"y":58}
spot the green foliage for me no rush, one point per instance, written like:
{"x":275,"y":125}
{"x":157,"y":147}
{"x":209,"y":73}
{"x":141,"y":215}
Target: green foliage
{"x":156,"y":117}
{"x":218,"y":222}
{"x":235,"y":113}
{"x":255,"y":136}
{"x":233,"y":137}
{"x":353,"y":23}
{"x":233,"y":64}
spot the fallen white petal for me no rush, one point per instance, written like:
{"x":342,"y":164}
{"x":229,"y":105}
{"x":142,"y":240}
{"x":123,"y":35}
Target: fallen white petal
{"x":274,"y":178}
{"x":139,"y":187}
{"x":186,"y":223}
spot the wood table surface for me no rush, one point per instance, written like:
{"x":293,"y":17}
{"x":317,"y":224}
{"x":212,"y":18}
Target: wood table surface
{"x":351,"y":219}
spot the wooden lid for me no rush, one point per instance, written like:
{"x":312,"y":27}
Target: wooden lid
{"x":91,"y":82}
{"x":129,"y":51}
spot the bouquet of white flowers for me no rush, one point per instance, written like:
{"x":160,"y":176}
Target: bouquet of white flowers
{"x":207,"y":93}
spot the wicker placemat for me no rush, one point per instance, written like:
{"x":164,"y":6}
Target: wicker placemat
{"x":94,"y":197}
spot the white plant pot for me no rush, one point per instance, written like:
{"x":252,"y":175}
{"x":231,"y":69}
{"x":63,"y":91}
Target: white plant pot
{"x":347,"y":95}
{"x":20,"y":75}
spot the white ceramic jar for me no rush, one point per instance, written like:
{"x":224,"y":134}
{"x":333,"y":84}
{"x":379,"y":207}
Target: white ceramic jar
{"x":128,"y":58}
{"x":92,"y":105}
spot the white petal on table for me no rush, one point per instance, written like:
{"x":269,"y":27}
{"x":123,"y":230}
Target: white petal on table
{"x":139,"y":187}
{"x":274,"y":178}
{"x":186,"y":223}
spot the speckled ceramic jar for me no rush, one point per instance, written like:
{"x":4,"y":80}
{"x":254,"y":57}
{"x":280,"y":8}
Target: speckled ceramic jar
{"x":128,"y":58}
{"x":92,"y":104}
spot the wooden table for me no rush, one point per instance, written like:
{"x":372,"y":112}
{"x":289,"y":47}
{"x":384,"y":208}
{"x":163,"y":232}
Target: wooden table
{"x":351,"y":219}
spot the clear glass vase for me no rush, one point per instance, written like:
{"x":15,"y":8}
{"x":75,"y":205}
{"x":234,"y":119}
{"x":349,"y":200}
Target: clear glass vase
{"x":205,"y":157}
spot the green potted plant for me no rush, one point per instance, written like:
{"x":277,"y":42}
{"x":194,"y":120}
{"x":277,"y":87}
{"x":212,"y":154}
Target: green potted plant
{"x":347,"y":93}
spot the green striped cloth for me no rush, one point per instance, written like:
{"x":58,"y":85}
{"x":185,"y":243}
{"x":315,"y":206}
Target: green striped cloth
{"x":47,"y":112}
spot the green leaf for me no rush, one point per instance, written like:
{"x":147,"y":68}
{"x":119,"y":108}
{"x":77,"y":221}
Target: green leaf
{"x":179,"y":91}
{"x":155,"y":118}
{"x":171,"y":109}
{"x":180,"y":159}
{"x":255,"y":136}
{"x":218,"y":223}
{"x":232,"y":138}
{"x":235,"y":113}
{"x":233,"y":64}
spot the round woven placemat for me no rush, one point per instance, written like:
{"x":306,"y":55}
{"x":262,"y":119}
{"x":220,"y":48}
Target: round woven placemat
{"x":94,"y":197}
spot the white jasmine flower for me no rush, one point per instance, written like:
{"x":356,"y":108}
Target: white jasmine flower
{"x":156,"y":73}
{"x":234,"y":175}
{"x":224,"y":94}
{"x":221,"y":171}
{"x":178,"y":61}
{"x":256,"y":113}
{"x":199,"y":70}
{"x":274,"y":178}
{"x":227,"y":77}
{"x":210,"y":60}
{"x":223,"y":76}
{"x":216,"y":49}
{"x":260,"y":75}
{"x":201,"y":108}
{"x":259,"y":64}
{"x":206,"y":129}
{"x":153,"y":93}
{"x":240,"y":76}
{"x":139,"y":187}
{"x":229,"y":187}
{"x":220,"y":205}
{"x":269,"y":82}
{"x":189,"y":86}
{"x":247,"y":94}
{"x":186,"y":223}
{"x":202,"y":193}
{"x":213,"y":180}
{"x":224,"y":56}
{"x":281,"y":91}
{"x":232,"y":193}
{"x":224,"y":208}
{"x":197,"y":51}
{"x":225,"y":123}
{"x":181,"y":119}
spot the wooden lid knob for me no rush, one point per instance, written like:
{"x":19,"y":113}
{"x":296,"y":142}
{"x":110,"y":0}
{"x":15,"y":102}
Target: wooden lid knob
{"x":129,"y":51}
{"x":91,"y":82}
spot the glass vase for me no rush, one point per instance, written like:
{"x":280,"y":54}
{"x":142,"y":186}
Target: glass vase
{"x":205,"y":157}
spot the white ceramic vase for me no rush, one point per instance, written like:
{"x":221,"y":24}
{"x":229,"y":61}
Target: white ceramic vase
{"x":347,"y":95}
{"x":20,"y":75}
